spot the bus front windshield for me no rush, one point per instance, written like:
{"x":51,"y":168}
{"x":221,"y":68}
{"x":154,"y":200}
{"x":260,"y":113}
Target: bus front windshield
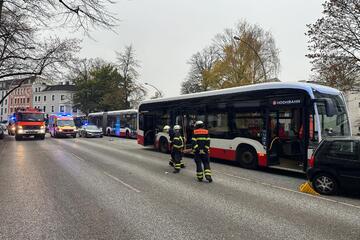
{"x":63,"y":123}
{"x":337,"y":122}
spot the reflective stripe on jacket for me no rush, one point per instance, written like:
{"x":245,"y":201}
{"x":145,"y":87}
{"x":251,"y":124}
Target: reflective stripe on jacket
{"x":201,"y":141}
{"x":178,"y":141}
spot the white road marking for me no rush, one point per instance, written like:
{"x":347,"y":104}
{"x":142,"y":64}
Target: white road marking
{"x":109,"y":175}
{"x":246,"y":179}
{"x":80,"y":158}
{"x":289,"y":190}
{"x":122,"y":182}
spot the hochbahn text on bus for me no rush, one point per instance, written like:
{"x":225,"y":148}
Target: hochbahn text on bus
{"x":268,"y":124}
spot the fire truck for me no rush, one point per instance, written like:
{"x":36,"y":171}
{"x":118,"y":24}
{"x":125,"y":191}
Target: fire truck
{"x":28,"y":122}
{"x":62,"y":124}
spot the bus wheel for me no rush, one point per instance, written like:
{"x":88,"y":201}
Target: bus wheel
{"x":164,"y":145}
{"x":247,"y":158}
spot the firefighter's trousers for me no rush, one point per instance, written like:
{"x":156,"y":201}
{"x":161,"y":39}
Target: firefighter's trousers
{"x":200,"y":160}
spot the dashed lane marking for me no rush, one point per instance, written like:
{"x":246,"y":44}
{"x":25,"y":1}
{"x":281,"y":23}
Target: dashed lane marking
{"x":122,"y":182}
{"x":290,"y":190}
{"x":111,"y":176}
{"x":80,"y":158}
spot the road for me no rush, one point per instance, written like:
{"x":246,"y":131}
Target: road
{"x":111,"y":188}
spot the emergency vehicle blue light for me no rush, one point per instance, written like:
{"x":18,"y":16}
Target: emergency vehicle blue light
{"x":64,"y":115}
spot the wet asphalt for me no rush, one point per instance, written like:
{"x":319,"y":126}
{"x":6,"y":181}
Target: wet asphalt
{"x":112,"y":188}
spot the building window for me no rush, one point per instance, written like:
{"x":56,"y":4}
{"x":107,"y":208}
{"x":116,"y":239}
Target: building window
{"x":5,"y":101}
{"x":359,"y":104}
{"x":52,"y":108}
{"x":61,"y":108}
{"x":62,"y":97}
{"x":53,"y":97}
{"x":5,"y":110}
{"x":44,"y":108}
{"x":44,"y":98}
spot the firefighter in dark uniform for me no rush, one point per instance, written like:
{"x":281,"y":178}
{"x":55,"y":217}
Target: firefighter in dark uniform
{"x":177,"y":148}
{"x":201,"y":149}
{"x":171,"y":136}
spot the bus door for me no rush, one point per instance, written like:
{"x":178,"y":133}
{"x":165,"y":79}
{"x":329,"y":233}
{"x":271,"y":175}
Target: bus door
{"x":188,"y":119}
{"x":147,"y":123}
{"x":285,"y":131}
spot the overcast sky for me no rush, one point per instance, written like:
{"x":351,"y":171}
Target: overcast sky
{"x":165,"y":33}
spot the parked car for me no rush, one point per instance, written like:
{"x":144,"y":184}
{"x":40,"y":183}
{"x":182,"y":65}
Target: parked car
{"x":90,"y":131}
{"x":335,"y":165}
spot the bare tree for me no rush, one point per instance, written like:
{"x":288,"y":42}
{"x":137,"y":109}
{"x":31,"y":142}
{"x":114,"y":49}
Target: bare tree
{"x":128,"y":67}
{"x":334,"y":44}
{"x":337,"y":72}
{"x":75,"y":14}
{"x":24,"y":54}
{"x":201,"y":64}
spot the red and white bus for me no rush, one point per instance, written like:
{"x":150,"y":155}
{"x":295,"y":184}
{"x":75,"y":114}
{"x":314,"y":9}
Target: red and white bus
{"x":269,"y":124}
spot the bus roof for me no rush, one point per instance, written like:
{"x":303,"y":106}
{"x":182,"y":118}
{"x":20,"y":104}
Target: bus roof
{"x":126,"y":111}
{"x":308,"y":87}
{"x":96,"y":113}
{"x":114,"y":112}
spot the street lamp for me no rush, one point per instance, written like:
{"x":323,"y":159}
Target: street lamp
{"x":159,"y":92}
{"x":252,"y":48}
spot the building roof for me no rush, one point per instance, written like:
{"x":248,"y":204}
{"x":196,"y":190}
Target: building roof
{"x":66,"y":87}
{"x":308,"y":87}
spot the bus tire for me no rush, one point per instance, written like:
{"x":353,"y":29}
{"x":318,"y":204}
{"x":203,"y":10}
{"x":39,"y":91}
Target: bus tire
{"x":163,"y":145}
{"x":247,"y":157}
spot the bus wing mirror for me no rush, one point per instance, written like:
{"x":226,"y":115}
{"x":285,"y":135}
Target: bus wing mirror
{"x":329,"y":106}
